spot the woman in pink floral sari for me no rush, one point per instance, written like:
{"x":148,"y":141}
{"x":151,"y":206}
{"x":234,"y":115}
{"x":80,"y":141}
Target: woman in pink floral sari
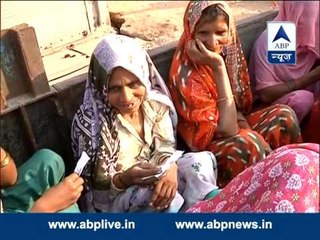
{"x":286,"y":181}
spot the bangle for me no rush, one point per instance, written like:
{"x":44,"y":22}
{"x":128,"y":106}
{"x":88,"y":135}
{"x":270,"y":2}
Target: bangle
{"x":224,"y":99}
{"x":5,"y":161}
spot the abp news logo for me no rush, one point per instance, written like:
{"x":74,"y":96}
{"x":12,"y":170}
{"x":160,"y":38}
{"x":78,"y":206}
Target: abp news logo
{"x":281,"y":42}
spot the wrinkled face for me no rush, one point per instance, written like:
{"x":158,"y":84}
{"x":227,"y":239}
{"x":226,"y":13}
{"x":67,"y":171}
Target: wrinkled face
{"x":213,"y":34}
{"x":125,"y":91}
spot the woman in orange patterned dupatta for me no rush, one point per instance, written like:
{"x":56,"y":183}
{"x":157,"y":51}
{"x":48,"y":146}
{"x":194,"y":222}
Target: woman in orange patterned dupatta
{"x":211,"y":91}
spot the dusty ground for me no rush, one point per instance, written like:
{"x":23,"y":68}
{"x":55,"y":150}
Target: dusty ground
{"x":153,"y":22}
{"x":159,"y":22}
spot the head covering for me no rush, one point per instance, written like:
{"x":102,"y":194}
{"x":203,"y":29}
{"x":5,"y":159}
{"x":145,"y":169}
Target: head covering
{"x":93,"y":127}
{"x":305,"y":15}
{"x":193,"y":86}
{"x":183,"y":68}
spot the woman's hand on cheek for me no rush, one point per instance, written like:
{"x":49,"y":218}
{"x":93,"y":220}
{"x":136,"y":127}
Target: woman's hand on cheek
{"x":165,"y":189}
{"x":198,"y":53}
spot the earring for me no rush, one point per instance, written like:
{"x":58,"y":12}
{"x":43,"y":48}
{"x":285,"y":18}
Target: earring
{"x":224,"y":51}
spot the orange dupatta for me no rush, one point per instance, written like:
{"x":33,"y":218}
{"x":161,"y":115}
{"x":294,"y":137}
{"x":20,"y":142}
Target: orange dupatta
{"x":193,"y":87}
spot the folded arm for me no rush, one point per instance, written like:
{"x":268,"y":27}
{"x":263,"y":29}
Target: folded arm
{"x":272,"y":93}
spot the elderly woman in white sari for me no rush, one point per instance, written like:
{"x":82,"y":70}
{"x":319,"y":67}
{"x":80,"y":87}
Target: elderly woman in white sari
{"x":126,"y":125}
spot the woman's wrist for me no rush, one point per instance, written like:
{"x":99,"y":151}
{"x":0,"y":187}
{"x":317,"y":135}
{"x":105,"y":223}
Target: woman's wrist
{"x":174,"y":166}
{"x":40,"y":207}
{"x":292,"y":85}
{"x":218,"y":65}
{"x":120,"y":181}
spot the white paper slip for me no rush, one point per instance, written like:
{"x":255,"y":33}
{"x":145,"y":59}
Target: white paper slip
{"x":173,"y":158}
{"x":81,"y":163}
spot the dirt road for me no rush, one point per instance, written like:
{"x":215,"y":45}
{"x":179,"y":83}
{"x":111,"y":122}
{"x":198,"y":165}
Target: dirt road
{"x":159,"y":22}
{"x":153,"y":22}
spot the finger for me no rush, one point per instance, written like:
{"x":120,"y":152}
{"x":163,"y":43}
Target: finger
{"x":171,"y":193}
{"x":156,"y":192}
{"x":78,"y":182}
{"x":172,"y":196}
{"x":161,"y":199}
{"x":72,"y":177}
{"x":188,"y":45}
{"x":80,"y":189}
{"x":166,"y":196}
{"x":76,"y":197}
{"x":163,"y":196}
{"x":191,"y":49}
{"x":76,"y":193}
{"x":201,"y":46}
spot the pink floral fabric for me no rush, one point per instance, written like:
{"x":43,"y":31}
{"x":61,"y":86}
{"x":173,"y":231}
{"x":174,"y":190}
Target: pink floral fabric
{"x":286,"y":181}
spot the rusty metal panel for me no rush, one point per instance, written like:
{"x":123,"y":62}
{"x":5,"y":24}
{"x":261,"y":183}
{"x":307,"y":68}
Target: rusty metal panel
{"x":51,"y":129}
{"x":32,"y":59}
{"x":70,"y":94}
{"x":12,"y":70}
{"x":13,"y":138}
{"x":36,"y":126}
{"x":22,"y":70}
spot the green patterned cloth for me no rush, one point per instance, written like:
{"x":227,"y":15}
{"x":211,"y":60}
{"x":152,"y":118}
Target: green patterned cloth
{"x":42,"y":171}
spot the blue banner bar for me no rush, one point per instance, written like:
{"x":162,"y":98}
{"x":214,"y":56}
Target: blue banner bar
{"x":159,"y":226}
{"x":282,"y":57}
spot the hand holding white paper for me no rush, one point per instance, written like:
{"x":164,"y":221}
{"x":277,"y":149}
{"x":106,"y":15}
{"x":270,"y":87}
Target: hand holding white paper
{"x":173,"y":158}
{"x":81,"y":163}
